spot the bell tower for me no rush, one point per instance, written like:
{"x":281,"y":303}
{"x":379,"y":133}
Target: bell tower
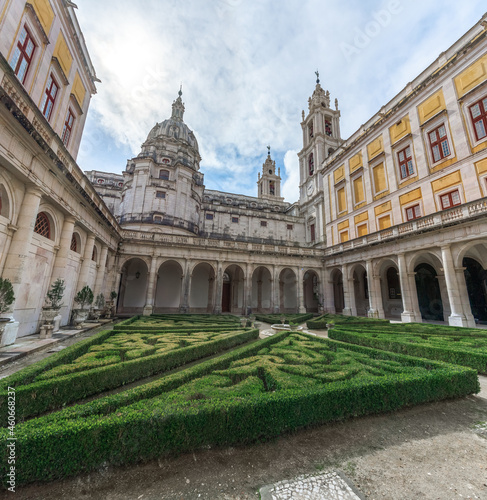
{"x":269,"y":184}
{"x":321,"y":137}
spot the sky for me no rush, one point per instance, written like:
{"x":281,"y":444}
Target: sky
{"x":247,"y":69}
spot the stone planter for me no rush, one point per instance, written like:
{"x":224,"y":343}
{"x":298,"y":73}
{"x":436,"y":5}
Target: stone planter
{"x":293,"y":327}
{"x":243,"y":322}
{"x":3,"y":324}
{"x":79,"y":317}
{"x":47,"y":316}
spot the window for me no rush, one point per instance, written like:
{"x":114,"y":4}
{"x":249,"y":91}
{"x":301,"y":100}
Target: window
{"x":74,"y":244}
{"x":68,"y":127}
{"x":450,"y":199}
{"x":311,"y":164}
{"x":362,"y":230}
{"x":380,"y":178}
{"x":358,"y":190}
{"x":344,"y":236}
{"x":166,"y":160}
{"x":393,"y":284}
{"x":290,"y":227}
{"x":94,"y":254}
{"x":209,"y":216}
{"x":310,"y":130}
{"x":42,"y":225}
{"x":405,"y":159}
{"x":263,"y":223}
{"x":160,"y":194}
{"x":478,"y":112}
{"x":312,"y":232}
{"x":440,"y":147}
{"x":413,"y":212}
{"x":49,"y":98}
{"x":328,"y":127}
{"x":384,"y":222}
{"x":164,"y":174}
{"x":22,"y":55}
{"x":157,"y":218}
{"x":272,"y":189}
{"x":235,"y":220}
{"x":341,"y":200}
{"x":100,"y":181}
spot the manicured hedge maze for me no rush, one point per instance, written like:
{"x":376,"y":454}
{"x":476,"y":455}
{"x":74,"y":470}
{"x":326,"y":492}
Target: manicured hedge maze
{"x":255,"y":392}
{"x":109,"y":360}
{"x":466,"y":347}
{"x":338,"y":319}
{"x":276,"y":318}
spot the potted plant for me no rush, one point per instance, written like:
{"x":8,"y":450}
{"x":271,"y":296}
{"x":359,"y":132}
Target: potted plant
{"x":52,"y":307}
{"x":294,"y":326}
{"x":84,"y":298}
{"x":99,"y":306}
{"x":7,"y":298}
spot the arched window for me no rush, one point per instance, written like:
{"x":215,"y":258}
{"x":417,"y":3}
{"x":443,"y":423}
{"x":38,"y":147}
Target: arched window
{"x":94,"y":254}
{"x":100,"y":181}
{"x":272,"y":188}
{"x":311,"y":164}
{"x":393,"y":283}
{"x":42,"y":225}
{"x":164,"y":174}
{"x":74,"y":244}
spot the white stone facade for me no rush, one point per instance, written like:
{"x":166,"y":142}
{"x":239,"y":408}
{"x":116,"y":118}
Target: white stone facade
{"x":369,"y":236}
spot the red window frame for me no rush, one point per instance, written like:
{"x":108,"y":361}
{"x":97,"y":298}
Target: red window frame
{"x":311,"y":164}
{"x":23,"y":54}
{"x":74,"y":244}
{"x":68,"y":127}
{"x":405,"y":160}
{"x":312,"y":232}
{"x":413,"y":212}
{"x":478,"y":113}
{"x":452,"y":199}
{"x":439,"y":144}
{"x":50,"y":95}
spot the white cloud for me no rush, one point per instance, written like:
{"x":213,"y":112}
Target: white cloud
{"x":247,"y":69}
{"x":290,"y":188}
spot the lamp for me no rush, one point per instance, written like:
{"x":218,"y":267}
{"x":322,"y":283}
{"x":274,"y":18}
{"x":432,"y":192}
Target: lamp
{"x":137,"y":275}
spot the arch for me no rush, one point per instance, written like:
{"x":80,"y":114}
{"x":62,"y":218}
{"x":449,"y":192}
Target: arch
{"x":390,"y":286}
{"x":476,"y":281}
{"x":311,"y":290}
{"x":233,"y":289}
{"x":336,"y":277}
{"x":311,"y":164}
{"x":44,"y":226}
{"x":75,"y":242}
{"x":476,"y":250}
{"x":288,"y":291}
{"x":429,"y":294}
{"x":201,"y":296}
{"x":4,"y":202}
{"x":168,"y":287}
{"x":94,"y":254}
{"x":360,"y":289}
{"x":133,"y":286}
{"x":262,"y":290}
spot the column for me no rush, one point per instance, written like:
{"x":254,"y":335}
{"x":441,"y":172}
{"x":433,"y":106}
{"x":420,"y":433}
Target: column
{"x":349,"y":308}
{"x":411,"y":312}
{"x":275,"y":305}
{"x":372,"y":312}
{"x":219,"y":289}
{"x":149,"y":297}
{"x":457,"y":318}
{"x":300,"y":291}
{"x":18,"y":257}
{"x":462,"y":290}
{"x":185,"y":288}
{"x":85,"y":265}
{"x":100,"y":275}
{"x":329,"y":294}
{"x":247,"y":299}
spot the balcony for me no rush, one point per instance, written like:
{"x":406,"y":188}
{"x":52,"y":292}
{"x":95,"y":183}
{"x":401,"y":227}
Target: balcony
{"x":456,"y":215}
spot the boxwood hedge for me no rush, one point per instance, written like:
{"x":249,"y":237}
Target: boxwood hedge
{"x":467,"y":348}
{"x":253,"y":393}
{"x":320,"y":322}
{"x":36,"y":393}
{"x":290,"y":318}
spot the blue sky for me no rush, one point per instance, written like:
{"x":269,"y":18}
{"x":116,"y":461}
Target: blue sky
{"x":247,"y":69}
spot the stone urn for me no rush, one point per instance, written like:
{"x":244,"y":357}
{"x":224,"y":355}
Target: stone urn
{"x":243,"y":322}
{"x":79,"y":317}
{"x":47,"y":316}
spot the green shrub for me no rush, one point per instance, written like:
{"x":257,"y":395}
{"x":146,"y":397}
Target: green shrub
{"x":338,"y":319}
{"x":276,"y":318}
{"x":243,"y":396}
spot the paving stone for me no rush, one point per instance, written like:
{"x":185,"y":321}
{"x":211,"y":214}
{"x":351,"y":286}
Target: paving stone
{"x":324,"y":486}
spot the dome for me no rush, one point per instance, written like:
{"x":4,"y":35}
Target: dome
{"x":174,"y":127}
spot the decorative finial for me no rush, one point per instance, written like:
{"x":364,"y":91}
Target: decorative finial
{"x":336,"y":104}
{"x":317,"y":73}
{"x":180,"y":93}
{"x":268,"y":150}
